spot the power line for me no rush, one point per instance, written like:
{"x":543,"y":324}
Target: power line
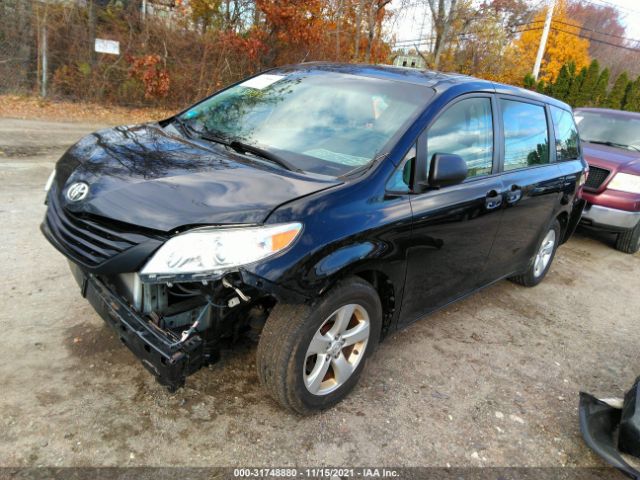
{"x":585,"y":37}
{"x":597,"y":3}
{"x":604,"y":3}
{"x":424,"y":40}
{"x":583,"y":28}
{"x":632,"y":40}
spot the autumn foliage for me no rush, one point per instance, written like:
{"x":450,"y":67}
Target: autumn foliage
{"x":563,"y":46}
{"x":149,"y":70}
{"x":181,"y":51}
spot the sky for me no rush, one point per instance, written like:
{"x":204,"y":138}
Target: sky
{"x":415,"y":18}
{"x":631,"y":9}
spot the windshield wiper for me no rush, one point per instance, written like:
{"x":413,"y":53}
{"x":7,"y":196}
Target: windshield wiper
{"x":260,"y":152}
{"x":185,"y":127}
{"x":206,"y":135}
{"x":242,"y":147}
{"x":215,"y":137}
{"x":613,"y":144}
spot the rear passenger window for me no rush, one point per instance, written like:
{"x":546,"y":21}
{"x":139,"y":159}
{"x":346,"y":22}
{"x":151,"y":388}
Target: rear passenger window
{"x":465,"y":129}
{"x":526,"y":139}
{"x":567,"y":142}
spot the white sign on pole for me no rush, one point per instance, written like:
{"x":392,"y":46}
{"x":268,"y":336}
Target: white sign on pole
{"x":107,"y":46}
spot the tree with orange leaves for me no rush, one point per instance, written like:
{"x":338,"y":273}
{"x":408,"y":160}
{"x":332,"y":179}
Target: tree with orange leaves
{"x":294,"y":28}
{"x":563,"y":46}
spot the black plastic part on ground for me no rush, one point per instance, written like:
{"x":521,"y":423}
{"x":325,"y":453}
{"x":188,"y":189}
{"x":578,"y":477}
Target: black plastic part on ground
{"x":629,"y":437}
{"x":598,"y":422}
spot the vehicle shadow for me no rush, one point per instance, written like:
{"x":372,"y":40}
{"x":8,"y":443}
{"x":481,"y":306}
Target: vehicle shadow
{"x":606,"y":238}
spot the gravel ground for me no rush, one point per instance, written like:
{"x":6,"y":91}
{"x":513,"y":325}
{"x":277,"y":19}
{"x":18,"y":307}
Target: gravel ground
{"x":490,"y":381}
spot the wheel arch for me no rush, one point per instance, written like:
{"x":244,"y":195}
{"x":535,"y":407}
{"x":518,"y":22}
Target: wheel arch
{"x":563,"y":219}
{"x":572,"y":219}
{"x":387,"y":293}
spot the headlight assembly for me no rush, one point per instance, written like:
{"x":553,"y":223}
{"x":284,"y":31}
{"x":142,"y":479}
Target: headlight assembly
{"x":625,"y":182}
{"x":210,"y":251}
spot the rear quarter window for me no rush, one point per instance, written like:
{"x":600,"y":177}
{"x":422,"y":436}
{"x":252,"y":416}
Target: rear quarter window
{"x":567,"y":139}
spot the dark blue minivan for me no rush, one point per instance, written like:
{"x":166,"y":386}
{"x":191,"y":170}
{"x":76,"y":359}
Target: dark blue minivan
{"x":315,"y":208}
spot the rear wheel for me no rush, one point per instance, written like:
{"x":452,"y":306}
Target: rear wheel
{"x":541,"y":261}
{"x":310,"y":357}
{"x":629,"y":241}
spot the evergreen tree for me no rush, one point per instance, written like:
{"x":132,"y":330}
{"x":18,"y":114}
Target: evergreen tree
{"x":576,"y":85}
{"x":631,"y":101}
{"x":617,"y":93}
{"x":548,"y":89}
{"x":571,"y":66}
{"x":529,"y":82}
{"x":541,"y":87}
{"x":586,"y":93}
{"x":560,"y":88}
{"x":600,"y":90}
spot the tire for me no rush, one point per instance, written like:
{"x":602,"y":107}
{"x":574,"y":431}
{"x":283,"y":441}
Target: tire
{"x":285,"y":365}
{"x":629,"y":241}
{"x":536,"y":271}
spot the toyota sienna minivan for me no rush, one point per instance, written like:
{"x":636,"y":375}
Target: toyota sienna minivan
{"x":316,"y":208}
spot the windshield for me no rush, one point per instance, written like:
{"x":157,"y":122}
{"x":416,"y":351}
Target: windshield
{"x":318,"y":121}
{"x":615,"y":130}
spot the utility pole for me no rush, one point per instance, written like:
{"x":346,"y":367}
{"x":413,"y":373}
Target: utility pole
{"x":543,"y":39}
{"x":43,"y":82}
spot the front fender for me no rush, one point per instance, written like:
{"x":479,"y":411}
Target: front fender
{"x":344,"y":260}
{"x":316,"y":274}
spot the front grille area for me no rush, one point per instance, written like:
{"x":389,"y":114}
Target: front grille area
{"x":89,"y":242}
{"x":596,"y":177}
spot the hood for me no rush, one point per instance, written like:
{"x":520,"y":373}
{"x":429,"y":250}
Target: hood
{"x":146,"y":176}
{"x":611,"y":158}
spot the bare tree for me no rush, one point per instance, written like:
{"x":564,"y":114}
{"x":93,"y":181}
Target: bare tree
{"x":338,"y":15}
{"x":359,"y":9}
{"x":442,"y":19}
{"x":374,"y":9}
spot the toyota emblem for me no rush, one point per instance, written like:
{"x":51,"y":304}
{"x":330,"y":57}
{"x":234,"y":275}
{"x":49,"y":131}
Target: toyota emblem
{"x":78,"y":191}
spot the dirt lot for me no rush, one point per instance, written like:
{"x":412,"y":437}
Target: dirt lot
{"x":491,"y":381}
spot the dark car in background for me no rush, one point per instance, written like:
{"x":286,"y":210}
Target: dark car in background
{"x":316,"y":207}
{"x":611,"y":146}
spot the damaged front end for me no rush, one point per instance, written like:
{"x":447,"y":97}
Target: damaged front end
{"x":174,"y":323}
{"x":175,"y":329}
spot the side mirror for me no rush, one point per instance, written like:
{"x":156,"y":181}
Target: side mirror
{"x":447,"y":169}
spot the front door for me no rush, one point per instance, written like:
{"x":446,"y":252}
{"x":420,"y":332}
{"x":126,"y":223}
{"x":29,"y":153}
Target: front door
{"x":454,"y":227}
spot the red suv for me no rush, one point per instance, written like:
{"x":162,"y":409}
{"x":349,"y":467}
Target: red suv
{"x":611,"y":146}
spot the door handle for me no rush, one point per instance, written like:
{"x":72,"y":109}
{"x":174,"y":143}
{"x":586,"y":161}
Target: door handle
{"x":493,"y":200}
{"x":514,"y":194}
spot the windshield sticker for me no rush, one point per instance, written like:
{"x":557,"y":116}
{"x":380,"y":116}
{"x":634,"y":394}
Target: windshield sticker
{"x":194,"y":112}
{"x":336,"y":157}
{"x":262,"y":81}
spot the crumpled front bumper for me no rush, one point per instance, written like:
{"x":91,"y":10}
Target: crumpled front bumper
{"x":157,"y":349}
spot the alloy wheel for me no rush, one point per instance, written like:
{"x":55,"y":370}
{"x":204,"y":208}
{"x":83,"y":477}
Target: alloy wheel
{"x":543,"y":257}
{"x":336,"y":349}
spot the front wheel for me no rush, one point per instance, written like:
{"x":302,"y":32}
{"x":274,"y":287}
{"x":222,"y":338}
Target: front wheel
{"x":310,"y":357}
{"x":541,"y":261}
{"x":629,"y":241}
